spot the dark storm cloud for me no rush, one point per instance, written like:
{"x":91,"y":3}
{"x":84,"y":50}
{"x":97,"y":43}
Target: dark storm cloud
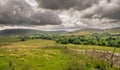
{"x":104,"y":9}
{"x":54,"y":12}
{"x":14,"y":12}
{"x":19,"y":12}
{"x":45,"y":18}
{"x":66,"y":4}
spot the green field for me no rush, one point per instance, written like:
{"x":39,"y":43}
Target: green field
{"x":41,"y":54}
{"x":35,"y":43}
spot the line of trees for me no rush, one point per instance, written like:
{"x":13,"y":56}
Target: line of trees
{"x":94,"y":39}
{"x":101,"y":40}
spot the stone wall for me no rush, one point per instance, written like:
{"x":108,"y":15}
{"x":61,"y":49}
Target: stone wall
{"x":111,"y":57}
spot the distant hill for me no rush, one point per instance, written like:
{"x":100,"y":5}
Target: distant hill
{"x":16,"y":32}
{"x":113,"y":30}
{"x":86,"y":31}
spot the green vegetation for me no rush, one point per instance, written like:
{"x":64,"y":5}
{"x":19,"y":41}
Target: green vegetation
{"x":52,"y":51}
{"x":35,"y":43}
{"x":94,"y":39}
{"x":104,"y":39}
{"x":48,"y":58}
{"x":35,"y":59}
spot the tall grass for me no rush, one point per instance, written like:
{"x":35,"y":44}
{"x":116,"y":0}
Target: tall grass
{"x":83,"y":61}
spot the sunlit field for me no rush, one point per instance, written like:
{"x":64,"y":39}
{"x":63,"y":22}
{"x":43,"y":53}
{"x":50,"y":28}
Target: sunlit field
{"x":41,"y":54}
{"x":37,"y":43}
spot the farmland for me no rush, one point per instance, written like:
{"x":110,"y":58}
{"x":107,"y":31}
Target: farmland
{"x":39,"y":54}
{"x":79,"y":50}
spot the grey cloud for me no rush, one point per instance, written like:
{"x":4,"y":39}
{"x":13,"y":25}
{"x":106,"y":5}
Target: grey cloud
{"x":66,"y":4}
{"x":18,"y":12}
{"x":90,"y":8}
{"x":104,"y":9}
{"x":46,"y":17}
{"x":70,"y":13}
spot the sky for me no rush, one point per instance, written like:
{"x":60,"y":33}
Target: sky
{"x":54,"y":15}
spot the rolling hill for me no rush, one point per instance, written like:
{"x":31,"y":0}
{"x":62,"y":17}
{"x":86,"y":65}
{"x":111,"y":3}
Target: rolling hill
{"x":86,"y":31}
{"x":16,"y":32}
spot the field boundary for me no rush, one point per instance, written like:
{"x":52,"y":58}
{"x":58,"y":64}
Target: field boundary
{"x":110,"y":57}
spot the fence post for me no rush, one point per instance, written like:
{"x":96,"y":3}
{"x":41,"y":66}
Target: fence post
{"x":86,"y":50}
{"x":93,"y":52}
{"x":112,"y":57}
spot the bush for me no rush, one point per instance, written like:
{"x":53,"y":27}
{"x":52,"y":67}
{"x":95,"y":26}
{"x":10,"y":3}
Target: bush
{"x":22,"y":39}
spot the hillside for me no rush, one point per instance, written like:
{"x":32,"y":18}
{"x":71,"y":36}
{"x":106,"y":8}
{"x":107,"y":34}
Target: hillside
{"x":15,"y":32}
{"x":86,"y":31}
{"x":113,"y":30}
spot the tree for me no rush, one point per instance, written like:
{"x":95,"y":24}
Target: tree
{"x":76,"y":41}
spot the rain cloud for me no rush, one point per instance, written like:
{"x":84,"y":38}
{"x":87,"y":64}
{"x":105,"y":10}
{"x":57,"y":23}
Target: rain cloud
{"x":24,"y":12}
{"x":64,"y":13}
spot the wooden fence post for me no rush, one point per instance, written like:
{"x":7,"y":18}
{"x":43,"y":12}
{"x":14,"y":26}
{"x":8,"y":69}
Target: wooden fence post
{"x":112,"y":57}
{"x":93,"y":52}
{"x":86,"y":50}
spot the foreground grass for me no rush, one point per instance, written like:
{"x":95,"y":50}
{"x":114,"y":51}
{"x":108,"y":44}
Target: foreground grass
{"x":42,"y":55}
{"x":48,"y":59}
{"x":31,"y":59}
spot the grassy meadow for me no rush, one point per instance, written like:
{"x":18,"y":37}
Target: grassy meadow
{"x":38,"y":54}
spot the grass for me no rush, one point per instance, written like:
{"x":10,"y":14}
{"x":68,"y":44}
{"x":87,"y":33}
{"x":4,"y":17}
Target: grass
{"x":31,"y":59}
{"x":91,"y":47}
{"x":85,"y":62}
{"x":36,"y":43}
{"x":48,"y":59}
{"x":43,"y":55}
